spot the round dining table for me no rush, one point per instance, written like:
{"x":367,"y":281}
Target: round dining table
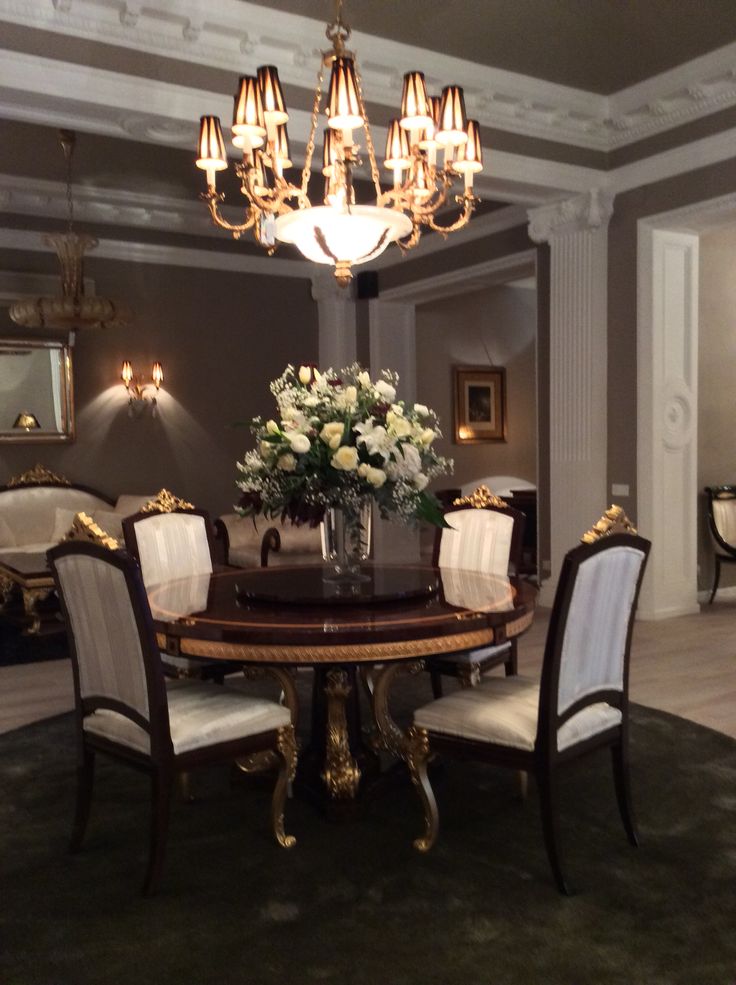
{"x":396,"y":620}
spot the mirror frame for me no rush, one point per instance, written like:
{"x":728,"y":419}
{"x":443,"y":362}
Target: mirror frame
{"x":67,"y":380}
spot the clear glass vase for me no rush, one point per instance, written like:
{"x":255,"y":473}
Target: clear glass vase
{"x":346,"y":541}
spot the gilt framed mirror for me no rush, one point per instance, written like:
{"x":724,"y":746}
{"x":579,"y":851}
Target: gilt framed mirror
{"x":36,"y":391}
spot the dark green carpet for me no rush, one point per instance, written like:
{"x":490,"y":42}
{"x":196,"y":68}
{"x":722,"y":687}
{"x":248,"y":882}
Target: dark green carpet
{"x":353,"y":904}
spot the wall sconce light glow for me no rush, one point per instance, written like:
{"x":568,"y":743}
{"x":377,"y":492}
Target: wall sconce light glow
{"x":26,"y":421}
{"x":136,"y":387}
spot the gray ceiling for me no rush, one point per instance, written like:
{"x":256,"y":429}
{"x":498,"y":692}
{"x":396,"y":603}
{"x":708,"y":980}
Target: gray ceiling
{"x":598,"y":45}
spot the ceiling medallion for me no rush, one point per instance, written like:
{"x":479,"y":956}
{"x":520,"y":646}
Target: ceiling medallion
{"x":71,"y":310}
{"x":341,"y":232}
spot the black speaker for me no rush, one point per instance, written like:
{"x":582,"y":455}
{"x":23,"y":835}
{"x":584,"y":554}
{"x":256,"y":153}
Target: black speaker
{"x":366,"y":285}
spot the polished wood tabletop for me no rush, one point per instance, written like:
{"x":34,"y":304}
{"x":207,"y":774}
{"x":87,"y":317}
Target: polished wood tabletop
{"x":295,"y":615}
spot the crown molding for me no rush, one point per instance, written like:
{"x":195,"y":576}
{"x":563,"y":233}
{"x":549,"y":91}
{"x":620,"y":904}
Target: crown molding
{"x":237,"y":36}
{"x":177,"y":256}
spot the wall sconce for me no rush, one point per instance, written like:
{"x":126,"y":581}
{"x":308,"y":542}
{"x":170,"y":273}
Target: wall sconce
{"x":26,"y":421}
{"x":138,"y":398}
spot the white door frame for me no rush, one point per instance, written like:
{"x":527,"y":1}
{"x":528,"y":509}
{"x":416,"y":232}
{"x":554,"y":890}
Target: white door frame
{"x":667,"y":400}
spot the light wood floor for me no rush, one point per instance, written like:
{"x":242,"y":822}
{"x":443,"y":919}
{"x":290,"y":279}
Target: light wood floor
{"x":686,"y":666}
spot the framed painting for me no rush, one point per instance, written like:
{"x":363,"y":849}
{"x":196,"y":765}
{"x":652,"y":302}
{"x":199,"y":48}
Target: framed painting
{"x":480,"y":404}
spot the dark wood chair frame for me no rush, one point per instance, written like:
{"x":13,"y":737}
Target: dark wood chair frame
{"x":545,"y":759}
{"x":729,"y":550}
{"x":215,"y":670}
{"x":509,"y":658}
{"x":271,"y":541}
{"x":162,"y":764}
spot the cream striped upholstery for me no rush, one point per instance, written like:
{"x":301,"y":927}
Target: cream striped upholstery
{"x":504,"y":710}
{"x":475,"y":590}
{"x":172,"y":545}
{"x":479,"y":541}
{"x":199,"y":715}
{"x":104,"y":629}
{"x":724,"y":517}
{"x":597,"y":623}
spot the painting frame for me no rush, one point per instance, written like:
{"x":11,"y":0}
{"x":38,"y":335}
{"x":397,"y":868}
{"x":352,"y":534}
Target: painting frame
{"x":480,"y":404}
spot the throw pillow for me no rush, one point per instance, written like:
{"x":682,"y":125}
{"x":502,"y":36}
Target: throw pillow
{"x":128,"y":504}
{"x":111,"y":523}
{"x":63,"y":520}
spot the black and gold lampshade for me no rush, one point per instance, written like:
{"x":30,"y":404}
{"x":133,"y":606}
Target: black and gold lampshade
{"x":470,"y":154}
{"x":211,"y":147}
{"x":415,"y":111}
{"x":343,"y":105}
{"x":272,"y":96}
{"x":249,"y":125}
{"x":397,"y":147}
{"x":452,"y":130}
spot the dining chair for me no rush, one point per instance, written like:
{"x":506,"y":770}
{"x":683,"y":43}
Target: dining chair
{"x":484,"y":535}
{"x":126,"y":709}
{"x":580,"y":703}
{"x":722,"y":526}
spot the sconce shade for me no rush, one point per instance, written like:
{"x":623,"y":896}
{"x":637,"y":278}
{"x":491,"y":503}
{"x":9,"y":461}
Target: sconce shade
{"x":157,"y":374}
{"x":422,"y":184}
{"x":453,"y":121}
{"x":281,"y":151}
{"x":272,"y":96}
{"x":470,"y":154}
{"x":343,"y":105}
{"x":415,"y":113}
{"x":397,"y":147}
{"x":429,"y":133}
{"x":126,"y":373}
{"x":249,"y":127}
{"x":211,"y":145}
{"x":329,"y":152}
{"x":26,"y":421}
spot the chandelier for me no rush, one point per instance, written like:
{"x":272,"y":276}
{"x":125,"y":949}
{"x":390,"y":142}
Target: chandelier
{"x":70,"y":310}
{"x":341,"y":232}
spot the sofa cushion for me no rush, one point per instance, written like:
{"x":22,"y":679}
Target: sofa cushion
{"x":110,"y":522}
{"x":7,"y":537}
{"x":128,"y":503}
{"x":63,"y":520}
{"x":29,"y":511}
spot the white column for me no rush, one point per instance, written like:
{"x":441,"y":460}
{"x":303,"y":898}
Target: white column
{"x":667,"y":396}
{"x":337,"y":323}
{"x":577,"y":233}
{"x":392,"y":341}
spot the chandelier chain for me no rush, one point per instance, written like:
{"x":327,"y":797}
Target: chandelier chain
{"x":368,"y":138}
{"x":306,"y":173}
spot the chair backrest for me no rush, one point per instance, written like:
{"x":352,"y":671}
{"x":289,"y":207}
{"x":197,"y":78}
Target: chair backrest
{"x":484,"y":534}
{"x":722,"y":516}
{"x":169,"y":545}
{"x":114,"y":653}
{"x":589,"y":638}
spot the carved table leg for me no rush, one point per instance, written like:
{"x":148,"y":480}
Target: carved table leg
{"x":341,"y":773}
{"x":31,"y":598}
{"x":391,"y":737}
{"x":261,"y":762}
{"x":6,"y":590}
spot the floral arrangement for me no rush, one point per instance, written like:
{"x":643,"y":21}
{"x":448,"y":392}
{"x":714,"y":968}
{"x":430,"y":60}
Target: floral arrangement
{"x":341,"y":437}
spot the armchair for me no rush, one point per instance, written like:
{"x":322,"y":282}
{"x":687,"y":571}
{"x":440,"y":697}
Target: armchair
{"x":722,"y":526}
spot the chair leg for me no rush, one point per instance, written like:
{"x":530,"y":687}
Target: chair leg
{"x":716,"y":579}
{"x":85,"y":782}
{"x":436,"y":678}
{"x":162,"y":781}
{"x":286,"y":750}
{"x":511,"y":666}
{"x":620,"y":762}
{"x":547,"y":804}
{"x":417,"y":757}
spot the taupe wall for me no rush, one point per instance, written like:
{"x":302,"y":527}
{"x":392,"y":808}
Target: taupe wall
{"x":221,"y":338}
{"x":716,"y":364}
{"x":499,"y":324}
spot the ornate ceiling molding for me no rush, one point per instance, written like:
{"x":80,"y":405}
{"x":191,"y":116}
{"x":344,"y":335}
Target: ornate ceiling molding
{"x":237,"y":36}
{"x":583,"y":212}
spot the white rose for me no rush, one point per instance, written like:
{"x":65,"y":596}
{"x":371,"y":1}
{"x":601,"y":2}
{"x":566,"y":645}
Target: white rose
{"x":397,"y":409}
{"x":272,"y":427}
{"x":287,"y":462}
{"x":332,"y":434}
{"x":345,"y":458}
{"x":364,"y":380}
{"x":363,"y":470}
{"x":427,"y":437}
{"x":305,"y":374}
{"x":376,"y":477}
{"x":420,"y":481}
{"x":398,"y":425}
{"x":385,"y":391}
{"x":300,"y":443}
{"x":267,"y":449}
{"x":421,"y":410}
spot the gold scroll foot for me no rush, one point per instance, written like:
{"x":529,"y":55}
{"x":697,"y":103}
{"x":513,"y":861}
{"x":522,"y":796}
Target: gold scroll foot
{"x":31,"y":598}
{"x":286,"y":746}
{"x":417,"y":756}
{"x":341,"y":773}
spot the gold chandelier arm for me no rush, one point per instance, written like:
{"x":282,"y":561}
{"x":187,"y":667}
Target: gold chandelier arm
{"x":368,"y":138}
{"x":211,"y":199}
{"x":464,"y":218}
{"x":307,"y":172}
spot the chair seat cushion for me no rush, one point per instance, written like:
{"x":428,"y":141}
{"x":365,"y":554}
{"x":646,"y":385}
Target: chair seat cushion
{"x":504,"y":710}
{"x":199,"y":715}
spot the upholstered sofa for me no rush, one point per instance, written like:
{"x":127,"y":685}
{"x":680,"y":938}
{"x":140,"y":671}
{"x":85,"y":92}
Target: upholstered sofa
{"x":248,"y":542}
{"x":37,"y":510}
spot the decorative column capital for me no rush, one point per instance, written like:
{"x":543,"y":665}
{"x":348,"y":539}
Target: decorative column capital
{"x":326,"y":288}
{"x":589,"y":211}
